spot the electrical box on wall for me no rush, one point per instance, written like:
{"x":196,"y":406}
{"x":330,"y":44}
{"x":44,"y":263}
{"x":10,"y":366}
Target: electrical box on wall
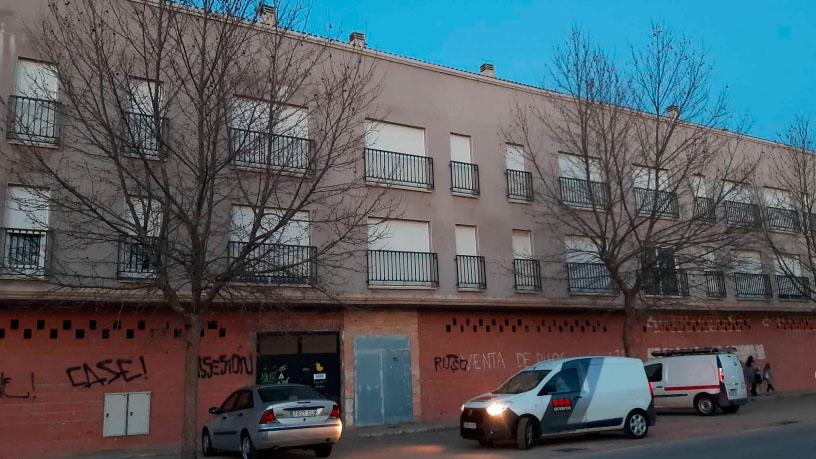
{"x":126,"y":413}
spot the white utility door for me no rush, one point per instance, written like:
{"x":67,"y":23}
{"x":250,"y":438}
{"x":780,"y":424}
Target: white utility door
{"x":514,"y":156}
{"x":466,"y":240}
{"x":460,"y":148}
{"x":138,"y":419}
{"x":114,"y":423}
{"x":522,"y":244}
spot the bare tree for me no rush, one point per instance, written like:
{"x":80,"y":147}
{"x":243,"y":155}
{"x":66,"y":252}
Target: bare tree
{"x":791,"y":209}
{"x":630,"y":170}
{"x":199,"y":141}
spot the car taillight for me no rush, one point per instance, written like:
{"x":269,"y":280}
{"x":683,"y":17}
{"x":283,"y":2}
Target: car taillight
{"x":651,"y":390}
{"x":268,"y":417}
{"x":335,"y":414}
{"x":722,"y":377}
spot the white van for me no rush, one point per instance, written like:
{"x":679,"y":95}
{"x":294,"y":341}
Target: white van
{"x":584,"y":394}
{"x":702,"y":379}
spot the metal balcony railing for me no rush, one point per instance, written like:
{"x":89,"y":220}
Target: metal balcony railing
{"x":715,"y":284}
{"x":741,"y":214}
{"x":781,"y":219}
{"x":26,"y":252}
{"x":809,"y":223}
{"x":402,"y":269}
{"x":392,"y":168}
{"x":704,"y":210}
{"x":275,"y":263}
{"x":661,"y":204}
{"x":464,"y":178}
{"x":752,"y":285}
{"x":471,"y":272}
{"x":666,"y":283}
{"x":526,"y":274}
{"x":793,"y":287}
{"x":589,"y":278}
{"x":261,"y":150}
{"x":140,"y":135}
{"x":581,"y":193}
{"x":33,"y":120}
{"x":519,"y":185}
{"x":134,"y":260}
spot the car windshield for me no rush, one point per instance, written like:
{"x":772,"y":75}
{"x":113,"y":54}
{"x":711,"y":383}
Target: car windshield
{"x":288,"y":394}
{"x":522,"y":382}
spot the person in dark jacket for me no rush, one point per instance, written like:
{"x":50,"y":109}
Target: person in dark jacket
{"x":751,"y":374}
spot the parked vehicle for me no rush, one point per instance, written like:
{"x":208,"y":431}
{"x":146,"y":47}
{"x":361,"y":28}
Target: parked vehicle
{"x":273,"y":416}
{"x":586,"y":394}
{"x":703,"y":379}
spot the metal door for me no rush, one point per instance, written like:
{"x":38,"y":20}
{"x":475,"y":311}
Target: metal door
{"x":138,"y":407}
{"x":382,"y":373}
{"x":114,"y":423}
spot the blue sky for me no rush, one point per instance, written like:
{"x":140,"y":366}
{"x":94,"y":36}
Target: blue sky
{"x":763,"y":50}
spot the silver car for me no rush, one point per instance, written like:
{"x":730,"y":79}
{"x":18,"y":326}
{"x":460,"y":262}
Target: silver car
{"x":273,"y":416}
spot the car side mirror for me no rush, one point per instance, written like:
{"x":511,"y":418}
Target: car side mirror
{"x":547,"y":390}
{"x":215,"y":410}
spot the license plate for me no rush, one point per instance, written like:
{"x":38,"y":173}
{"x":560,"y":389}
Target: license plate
{"x":469,"y":425}
{"x":304,"y":413}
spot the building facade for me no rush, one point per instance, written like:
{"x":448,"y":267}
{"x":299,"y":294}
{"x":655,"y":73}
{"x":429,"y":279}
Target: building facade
{"x":455,"y":300}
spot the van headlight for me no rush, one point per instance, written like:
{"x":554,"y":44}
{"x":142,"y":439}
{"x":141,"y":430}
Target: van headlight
{"x":496,"y":409}
{"x":463,"y":408}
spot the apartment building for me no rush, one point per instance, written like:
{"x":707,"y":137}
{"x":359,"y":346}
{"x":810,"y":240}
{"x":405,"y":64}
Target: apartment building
{"x":456,"y":295}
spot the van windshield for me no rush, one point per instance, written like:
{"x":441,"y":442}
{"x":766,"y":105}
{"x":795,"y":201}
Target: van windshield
{"x":522,"y":382}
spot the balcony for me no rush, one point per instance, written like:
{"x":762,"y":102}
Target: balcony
{"x":780,"y":219}
{"x":140,"y":137}
{"x":464,"y":178}
{"x":704,"y":210}
{"x":661,"y":204}
{"x":589,"y":278}
{"x":470,"y":272}
{"x":25,"y":252}
{"x":793,"y":287}
{"x":741,"y":214}
{"x":519,"y":185}
{"x":402,"y":269}
{"x":526,"y":274}
{"x":280,"y":264}
{"x":752,"y":286}
{"x":715,"y":284}
{"x":32,"y":120}
{"x":260,"y":150}
{"x":666,"y":283}
{"x":134,"y":260}
{"x":400,"y":169}
{"x":583,"y":194}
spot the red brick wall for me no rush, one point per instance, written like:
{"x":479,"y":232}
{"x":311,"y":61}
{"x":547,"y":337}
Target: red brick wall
{"x":458,"y":361}
{"x":58,"y":416}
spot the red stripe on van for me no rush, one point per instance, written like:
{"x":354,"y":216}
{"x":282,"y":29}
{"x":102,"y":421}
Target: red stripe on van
{"x":692,"y":387}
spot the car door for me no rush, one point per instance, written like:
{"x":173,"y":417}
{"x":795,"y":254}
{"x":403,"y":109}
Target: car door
{"x":220,"y":425}
{"x":654,"y":373}
{"x":240,"y":416}
{"x":564,"y":391}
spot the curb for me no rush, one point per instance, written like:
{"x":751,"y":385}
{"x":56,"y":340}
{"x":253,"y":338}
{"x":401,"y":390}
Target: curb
{"x":363,"y":432}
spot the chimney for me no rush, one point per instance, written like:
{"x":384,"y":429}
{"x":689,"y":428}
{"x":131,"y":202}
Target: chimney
{"x":268,"y":15}
{"x":487,"y":70}
{"x":357,"y":40}
{"x":672,"y":111}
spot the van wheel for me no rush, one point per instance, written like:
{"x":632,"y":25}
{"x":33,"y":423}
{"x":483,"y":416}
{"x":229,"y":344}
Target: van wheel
{"x":729,"y":409}
{"x":705,"y":405}
{"x":524,"y":433}
{"x":636,"y":425}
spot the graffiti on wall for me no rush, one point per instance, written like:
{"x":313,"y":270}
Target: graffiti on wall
{"x":7,"y":391}
{"x":106,"y":372}
{"x":276,"y":375}
{"x":235,"y":364}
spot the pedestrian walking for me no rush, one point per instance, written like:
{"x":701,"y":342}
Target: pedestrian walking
{"x":767,"y":374}
{"x":752,"y":375}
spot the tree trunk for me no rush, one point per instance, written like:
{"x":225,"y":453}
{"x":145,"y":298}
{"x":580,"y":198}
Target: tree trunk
{"x":189,"y":430}
{"x":629,"y":323}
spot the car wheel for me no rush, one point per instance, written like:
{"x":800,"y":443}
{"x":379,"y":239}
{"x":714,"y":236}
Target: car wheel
{"x":206,"y":444}
{"x":636,"y":425}
{"x":247,"y":448}
{"x":485,"y":443}
{"x":323,"y":450}
{"x":705,"y":405}
{"x":524,"y":434}
{"x":729,"y":409}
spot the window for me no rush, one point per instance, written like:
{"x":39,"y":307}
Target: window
{"x":230,"y":403}
{"x":396,"y":155}
{"x":586,"y":272}
{"x":652,"y":195}
{"x":751,"y":283}
{"x":739,"y":210}
{"x":522,"y":382}
{"x":25,"y":232}
{"x":286,"y":148}
{"x":466,"y":240}
{"x":139,"y":123}
{"x":789,"y":279}
{"x":519,"y":182}
{"x":244,"y":400}
{"x":126,"y":414}
{"x":142,"y":215}
{"x":464,"y":174}
{"x":33,"y":107}
{"x":460,"y":148}
{"x":660,"y":273}
{"x":295,"y":231}
{"x":565,"y":381}
{"x":470,"y":267}
{"x":703,"y":205}
{"x":526,"y":270}
{"x":399,"y":253}
{"x":522,"y":244}
{"x":780,"y":211}
{"x":747,"y":261}
{"x":654,"y":372}
{"x":514,"y":156}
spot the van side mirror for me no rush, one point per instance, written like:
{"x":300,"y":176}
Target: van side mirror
{"x":215,"y":410}
{"x":547,"y":390}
